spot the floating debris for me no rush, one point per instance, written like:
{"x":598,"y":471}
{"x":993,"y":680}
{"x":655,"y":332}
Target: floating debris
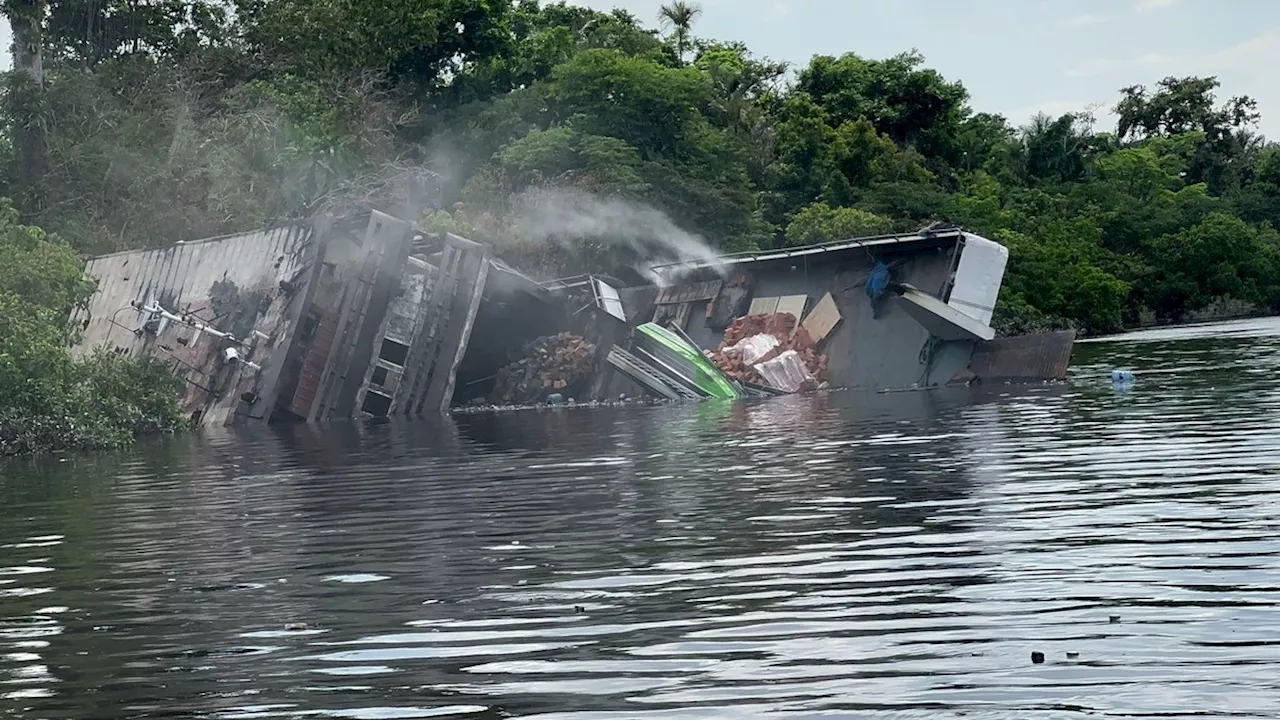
{"x":542,"y":406}
{"x":1037,"y":657}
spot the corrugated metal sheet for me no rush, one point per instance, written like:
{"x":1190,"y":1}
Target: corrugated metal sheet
{"x":674,"y":269}
{"x":232,"y":283}
{"x":180,"y":277}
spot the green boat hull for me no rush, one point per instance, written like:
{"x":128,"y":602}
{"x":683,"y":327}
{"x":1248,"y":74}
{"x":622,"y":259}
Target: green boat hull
{"x":705,"y":375}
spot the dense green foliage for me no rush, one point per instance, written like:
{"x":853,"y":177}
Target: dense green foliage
{"x":173,"y":120}
{"x":48,"y":400}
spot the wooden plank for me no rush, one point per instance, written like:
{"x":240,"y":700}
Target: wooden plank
{"x":693,"y":292}
{"x":732,"y":302}
{"x":822,"y":319}
{"x":682,"y":315}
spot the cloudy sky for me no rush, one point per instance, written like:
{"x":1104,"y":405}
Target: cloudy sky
{"x":1018,"y":57}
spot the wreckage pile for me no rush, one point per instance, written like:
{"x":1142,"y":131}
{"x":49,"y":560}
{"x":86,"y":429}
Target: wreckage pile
{"x":551,"y":364}
{"x":750,"y":341}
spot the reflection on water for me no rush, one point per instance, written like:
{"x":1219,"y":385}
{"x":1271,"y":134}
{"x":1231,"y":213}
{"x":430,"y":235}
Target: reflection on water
{"x":844,"y":556}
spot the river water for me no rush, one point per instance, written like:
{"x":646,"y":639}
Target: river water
{"x":850,"y":555}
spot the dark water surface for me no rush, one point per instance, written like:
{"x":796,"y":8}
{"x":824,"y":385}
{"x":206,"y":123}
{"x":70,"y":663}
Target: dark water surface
{"x":864,"y":556}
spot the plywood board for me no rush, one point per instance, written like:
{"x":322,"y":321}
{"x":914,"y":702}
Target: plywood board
{"x":793,"y":304}
{"x":822,"y":319}
{"x":764,"y":306}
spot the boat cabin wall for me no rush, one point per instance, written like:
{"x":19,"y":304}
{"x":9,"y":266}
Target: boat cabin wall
{"x":876,"y":345}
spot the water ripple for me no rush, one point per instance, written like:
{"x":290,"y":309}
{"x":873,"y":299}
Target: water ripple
{"x":871,"y":556}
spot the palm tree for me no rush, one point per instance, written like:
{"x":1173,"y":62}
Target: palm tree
{"x":679,"y":16}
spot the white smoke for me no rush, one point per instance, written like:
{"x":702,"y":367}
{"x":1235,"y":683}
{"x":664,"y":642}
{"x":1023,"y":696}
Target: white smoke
{"x":560,"y":215}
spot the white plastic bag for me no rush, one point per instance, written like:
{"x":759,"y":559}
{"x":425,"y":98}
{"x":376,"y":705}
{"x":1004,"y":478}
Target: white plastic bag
{"x":785,"y":372}
{"x":753,"y":348}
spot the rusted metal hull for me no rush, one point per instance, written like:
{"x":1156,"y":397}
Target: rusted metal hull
{"x":302,"y":323}
{"x":1023,"y":358}
{"x":240,"y":292}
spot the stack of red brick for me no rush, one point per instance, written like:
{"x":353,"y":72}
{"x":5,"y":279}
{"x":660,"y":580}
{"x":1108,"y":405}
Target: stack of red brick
{"x":551,"y":364}
{"x":779,"y":325}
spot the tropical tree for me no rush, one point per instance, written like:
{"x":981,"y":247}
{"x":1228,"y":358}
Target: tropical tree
{"x":819,"y":223}
{"x":129,"y":124}
{"x":679,"y":17}
{"x":24,"y":96}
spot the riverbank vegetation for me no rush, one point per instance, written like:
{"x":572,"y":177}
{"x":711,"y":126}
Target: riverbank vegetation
{"x":48,"y":400}
{"x":139,"y":124}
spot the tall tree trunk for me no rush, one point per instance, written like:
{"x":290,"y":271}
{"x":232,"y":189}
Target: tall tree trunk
{"x":26,"y":18}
